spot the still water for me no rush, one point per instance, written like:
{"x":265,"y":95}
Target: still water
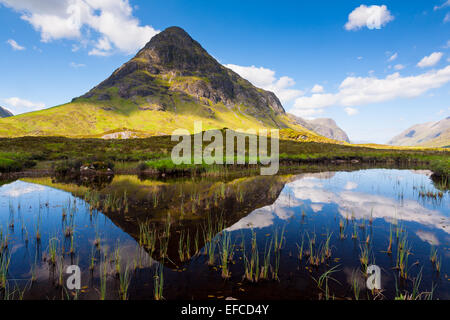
{"x":307,"y":236}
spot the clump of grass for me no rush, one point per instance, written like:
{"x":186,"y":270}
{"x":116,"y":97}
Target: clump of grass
{"x":103,"y":276}
{"x":355,"y":285}
{"x":209,"y":231}
{"x":251,"y":262}
{"x":279,"y":238}
{"x":415,"y":293}
{"x":147,"y":237}
{"x":124,"y":283}
{"x":184,"y":246}
{"x":266,"y":263}
{"x":300,"y":249}
{"x":117,"y":260}
{"x":276,"y":267}
{"x":226,"y":253}
{"x":403,"y":252}
{"x":341,"y":230}
{"x":60,"y":271}
{"x":159,"y":282}
{"x":433,"y":255}
{"x":52,"y":248}
{"x":389,"y":249}
{"x":4,"y":267}
{"x":364,"y":257}
{"x":324,"y":279}
{"x":355,"y":232}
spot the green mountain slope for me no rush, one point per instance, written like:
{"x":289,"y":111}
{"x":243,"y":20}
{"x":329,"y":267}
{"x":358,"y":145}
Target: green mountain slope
{"x":168,"y":85}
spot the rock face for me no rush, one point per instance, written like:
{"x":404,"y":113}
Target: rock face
{"x":173,"y":66}
{"x":4,"y":113}
{"x":323,"y":126}
{"x":430,"y":134}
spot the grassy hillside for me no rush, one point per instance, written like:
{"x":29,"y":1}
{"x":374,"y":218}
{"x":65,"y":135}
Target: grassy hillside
{"x":86,"y":119}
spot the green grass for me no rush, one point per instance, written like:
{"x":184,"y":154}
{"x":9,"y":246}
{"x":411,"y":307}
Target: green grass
{"x":17,"y":154}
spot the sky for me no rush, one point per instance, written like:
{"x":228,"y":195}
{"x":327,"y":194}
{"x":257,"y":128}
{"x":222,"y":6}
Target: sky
{"x":375,"y":67}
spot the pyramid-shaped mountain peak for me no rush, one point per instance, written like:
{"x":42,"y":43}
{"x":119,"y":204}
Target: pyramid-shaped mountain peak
{"x":174,"y":68}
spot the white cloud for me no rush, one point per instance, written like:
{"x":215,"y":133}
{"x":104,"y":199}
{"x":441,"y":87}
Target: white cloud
{"x":393,"y":57}
{"x":19,"y":188}
{"x":18,"y":105}
{"x":15,"y":45}
{"x":265,"y":78}
{"x":351,"y":111}
{"x":77,"y":65}
{"x":428,"y":237}
{"x":317,"y":89}
{"x":447,"y":18}
{"x":308,"y":113}
{"x":350,"y":185}
{"x":373,"y":17}
{"x":445,"y":4}
{"x":357,"y":91}
{"x":399,"y":67}
{"x":364,"y":205}
{"x":111,"y":20}
{"x":430,"y":60}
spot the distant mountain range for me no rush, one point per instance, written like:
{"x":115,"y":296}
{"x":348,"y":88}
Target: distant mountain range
{"x":430,"y":134}
{"x":323,"y":126}
{"x":4,"y":113}
{"x":169,"y":84}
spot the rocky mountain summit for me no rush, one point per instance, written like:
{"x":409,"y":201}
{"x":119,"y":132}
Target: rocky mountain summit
{"x":173,"y":67}
{"x":5,"y":113}
{"x":324,"y":126}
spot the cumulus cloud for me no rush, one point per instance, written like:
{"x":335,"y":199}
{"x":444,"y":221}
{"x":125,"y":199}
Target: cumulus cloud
{"x":18,"y":189}
{"x":15,"y":45}
{"x":112,"y":21}
{"x":18,"y":105}
{"x":317,"y":89}
{"x":307,"y":113}
{"x":357,"y":91}
{"x":372,"y":17}
{"x":430,"y":60}
{"x":363,"y":205}
{"x":310,"y":189}
{"x":265,"y":78}
{"x":399,"y":67}
{"x":351,"y":111}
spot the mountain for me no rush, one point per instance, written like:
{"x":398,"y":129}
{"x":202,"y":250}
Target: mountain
{"x":430,"y":134}
{"x":323,"y":126}
{"x":4,"y":113}
{"x":168,"y":85}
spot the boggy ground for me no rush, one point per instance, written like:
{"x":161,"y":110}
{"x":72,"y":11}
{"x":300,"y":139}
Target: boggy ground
{"x":45,"y":155}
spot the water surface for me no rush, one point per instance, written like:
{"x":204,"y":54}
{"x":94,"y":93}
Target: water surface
{"x":104,"y":228}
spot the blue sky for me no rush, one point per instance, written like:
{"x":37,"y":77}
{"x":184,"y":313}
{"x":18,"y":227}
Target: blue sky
{"x":375,"y":67}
